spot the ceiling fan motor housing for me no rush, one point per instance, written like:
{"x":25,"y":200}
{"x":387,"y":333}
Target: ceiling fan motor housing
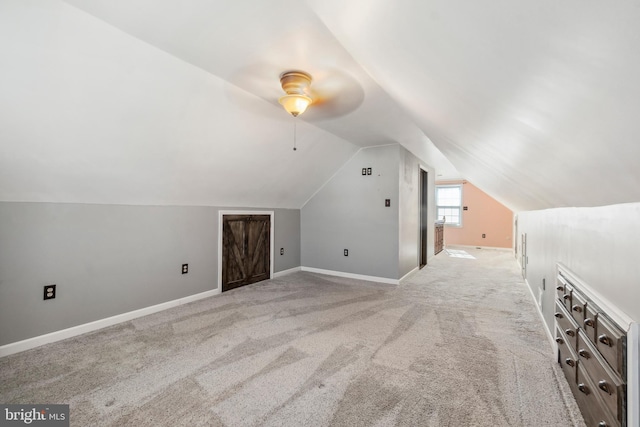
{"x":295,"y":82}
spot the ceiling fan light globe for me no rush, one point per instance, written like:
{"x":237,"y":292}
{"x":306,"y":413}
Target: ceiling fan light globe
{"x":295,"y":104}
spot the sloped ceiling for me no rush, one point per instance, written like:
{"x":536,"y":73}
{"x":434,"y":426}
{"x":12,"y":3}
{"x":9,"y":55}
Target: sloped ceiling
{"x":164,"y":102}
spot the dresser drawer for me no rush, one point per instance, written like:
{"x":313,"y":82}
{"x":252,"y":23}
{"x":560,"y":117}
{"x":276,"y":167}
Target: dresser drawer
{"x":593,"y":409}
{"x":560,"y":282}
{"x":590,"y":320}
{"x":568,"y":359}
{"x":609,"y":342}
{"x":566,"y":297}
{"x":578,"y":306}
{"x":567,"y":324}
{"x":608,"y":385}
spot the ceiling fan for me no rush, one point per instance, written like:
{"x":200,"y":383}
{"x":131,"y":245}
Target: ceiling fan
{"x":334,"y":94}
{"x":296,"y":86}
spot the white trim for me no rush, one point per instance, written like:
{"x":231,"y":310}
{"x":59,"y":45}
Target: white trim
{"x":285,"y":272}
{"x":221,"y":213}
{"x":19,"y":346}
{"x":460,"y":206}
{"x":352,"y":275}
{"x":552,"y":341}
{"x":409,"y":274}
{"x":491,"y":248}
{"x":633,"y":375}
{"x":617,"y":315}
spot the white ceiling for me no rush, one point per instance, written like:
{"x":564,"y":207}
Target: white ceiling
{"x":165,"y":102}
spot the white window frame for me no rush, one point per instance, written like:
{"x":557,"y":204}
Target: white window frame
{"x":459,"y":207}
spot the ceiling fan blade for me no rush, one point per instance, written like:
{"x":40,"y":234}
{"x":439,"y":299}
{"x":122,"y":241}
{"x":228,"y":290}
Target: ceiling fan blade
{"x":334,"y":92}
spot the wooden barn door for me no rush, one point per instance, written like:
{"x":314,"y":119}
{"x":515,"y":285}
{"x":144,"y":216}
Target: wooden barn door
{"x":246,"y":242}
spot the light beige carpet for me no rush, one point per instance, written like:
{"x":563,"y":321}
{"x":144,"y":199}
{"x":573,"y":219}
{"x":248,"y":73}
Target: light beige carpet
{"x":458,"y":344}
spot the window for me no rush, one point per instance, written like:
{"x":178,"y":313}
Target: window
{"x":449,"y":204}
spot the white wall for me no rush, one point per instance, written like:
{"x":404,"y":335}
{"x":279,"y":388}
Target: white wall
{"x":599,"y":244}
{"x":90,"y":114}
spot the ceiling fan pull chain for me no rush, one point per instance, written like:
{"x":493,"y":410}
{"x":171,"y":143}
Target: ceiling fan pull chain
{"x":294,"y":134}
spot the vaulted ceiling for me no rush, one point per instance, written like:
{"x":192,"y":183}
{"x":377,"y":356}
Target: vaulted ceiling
{"x":165,"y":102}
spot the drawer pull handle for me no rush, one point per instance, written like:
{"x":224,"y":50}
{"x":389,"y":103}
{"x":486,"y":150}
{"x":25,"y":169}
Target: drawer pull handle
{"x":577,"y":308}
{"x":584,"y":353}
{"x":602,"y":424}
{"x":558,"y":315}
{"x":602,"y":385}
{"x":583,"y":388}
{"x":604,"y":340}
{"x":570,"y":332}
{"x":566,"y":296}
{"x":588,"y":322}
{"x":560,"y":288}
{"x":559,"y":340}
{"x":570,"y":362}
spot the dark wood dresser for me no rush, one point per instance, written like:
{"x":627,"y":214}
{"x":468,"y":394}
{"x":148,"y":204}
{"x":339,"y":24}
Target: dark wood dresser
{"x":592,"y":353}
{"x":439,"y":237}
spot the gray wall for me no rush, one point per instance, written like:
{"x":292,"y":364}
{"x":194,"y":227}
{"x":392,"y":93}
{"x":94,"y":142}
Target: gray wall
{"x":349,"y":213}
{"x":286,"y":229}
{"x":598,"y":244}
{"x":409,"y":216}
{"x":109,"y":259}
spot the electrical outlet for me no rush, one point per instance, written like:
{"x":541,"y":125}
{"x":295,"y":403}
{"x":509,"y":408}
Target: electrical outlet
{"x":368,"y":171}
{"x":281,"y":251}
{"x":387,"y":202}
{"x":49,"y":292}
{"x":185,"y":268}
{"x":364,"y":171}
{"x":346,"y":252}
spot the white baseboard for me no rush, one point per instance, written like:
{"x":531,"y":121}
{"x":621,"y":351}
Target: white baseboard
{"x":491,"y":248}
{"x":352,"y":275}
{"x":409,"y":274}
{"x":552,"y":341}
{"x":63,"y":334}
{"x":285,"y":272}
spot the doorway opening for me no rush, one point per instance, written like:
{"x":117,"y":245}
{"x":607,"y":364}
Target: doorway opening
{"x":424,"y":213}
